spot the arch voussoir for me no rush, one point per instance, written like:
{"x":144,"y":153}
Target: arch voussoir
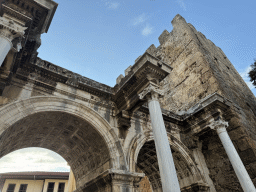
{"x":16,"y":111}
{"x":180,"y":150}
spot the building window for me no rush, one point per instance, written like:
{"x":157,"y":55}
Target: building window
{"x":61,"y":187}
{"x":50,"y":187}
{"x":23,"y":187}
{"x":11,"y":188}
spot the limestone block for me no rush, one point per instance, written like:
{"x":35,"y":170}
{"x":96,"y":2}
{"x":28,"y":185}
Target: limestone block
{"x":137,"y":59}
{"x":119,"y":78}
{"x":126,"y":72}
{"x":163,"y":37}
{"x":151,"y":50}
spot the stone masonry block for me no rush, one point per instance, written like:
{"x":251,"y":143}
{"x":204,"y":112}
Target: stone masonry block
{"x":119,"y":78}
{"x":163,"y":37}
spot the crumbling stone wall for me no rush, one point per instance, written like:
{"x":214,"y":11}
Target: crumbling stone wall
{"x":199,"y":69}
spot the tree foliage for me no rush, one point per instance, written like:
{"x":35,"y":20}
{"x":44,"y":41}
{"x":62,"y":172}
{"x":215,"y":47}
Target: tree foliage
{"x":252,"y":73}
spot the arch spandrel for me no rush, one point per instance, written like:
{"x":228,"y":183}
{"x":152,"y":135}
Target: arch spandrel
{"x":78,"y":133}
{"x":187,"y":171}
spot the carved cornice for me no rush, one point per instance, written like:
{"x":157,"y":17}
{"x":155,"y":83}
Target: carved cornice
{"x":71,"y":78}
{"x":118,"y":175}
{"x":16,"y":14}
{"x":10,"y":29}
{"x":43,"y":11}
{"x":146,"y":69}
{"x":197,"y":117}
{"x":47,"y":83}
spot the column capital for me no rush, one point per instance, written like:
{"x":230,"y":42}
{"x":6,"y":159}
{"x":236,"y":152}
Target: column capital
{"x":10,"y":30}
{"x":219,"y":125}
{"x":151,"y":92}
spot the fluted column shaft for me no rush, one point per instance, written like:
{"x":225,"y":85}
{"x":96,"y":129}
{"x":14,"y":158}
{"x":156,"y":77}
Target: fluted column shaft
{"x":241,"y":173}
{"x":168,"y":173}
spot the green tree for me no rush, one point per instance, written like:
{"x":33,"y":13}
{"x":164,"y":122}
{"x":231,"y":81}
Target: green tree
{"x":252,"y":73}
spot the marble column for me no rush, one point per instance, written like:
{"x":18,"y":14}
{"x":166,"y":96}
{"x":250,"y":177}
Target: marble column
{"x":243,"y":177}
{"x":168,"y":173}
{"x":5,"y":47}
{"x":8,"y":31}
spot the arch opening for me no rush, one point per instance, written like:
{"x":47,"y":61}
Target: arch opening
{"x":33,"y":159}
{"x":147,"y":162}
{"x":72,"y":137}
{"x":143,"y":158}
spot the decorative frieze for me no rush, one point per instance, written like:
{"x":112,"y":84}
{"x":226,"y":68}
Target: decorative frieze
{"x":73,"y":79}
{"x":10,"y":30}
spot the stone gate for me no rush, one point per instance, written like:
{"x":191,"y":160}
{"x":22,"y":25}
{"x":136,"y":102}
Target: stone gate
{"x":107,"y":134}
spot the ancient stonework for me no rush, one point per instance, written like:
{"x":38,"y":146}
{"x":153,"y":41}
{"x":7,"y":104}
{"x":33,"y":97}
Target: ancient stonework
{"x":105,"y":133}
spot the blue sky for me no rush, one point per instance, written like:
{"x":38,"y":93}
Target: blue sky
{"x":33,"y":159}
{"x":99,"y":39}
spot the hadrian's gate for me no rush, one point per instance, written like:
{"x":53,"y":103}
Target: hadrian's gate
{"x":205,"y":112}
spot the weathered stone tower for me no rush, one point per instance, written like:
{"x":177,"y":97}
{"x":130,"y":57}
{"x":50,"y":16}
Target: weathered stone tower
{"x":200,"y":68}
{"x":108,"y":134}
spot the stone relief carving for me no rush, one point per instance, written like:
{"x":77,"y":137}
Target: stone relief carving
{"x":219,"y":124}
{"x":152,"y":89}
{"x":10,"y":29}
{"x":73,"y":78}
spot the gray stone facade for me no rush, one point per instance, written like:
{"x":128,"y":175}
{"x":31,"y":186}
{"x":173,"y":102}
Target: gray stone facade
{"x":105,"y":133}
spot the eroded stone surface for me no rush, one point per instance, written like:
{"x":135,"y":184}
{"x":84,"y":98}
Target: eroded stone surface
{"x":71,"y":137}
{"x":106,"y":137}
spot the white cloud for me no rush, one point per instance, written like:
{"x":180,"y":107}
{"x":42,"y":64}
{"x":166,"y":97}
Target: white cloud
{"x":112,"y":5}
{"x":33,"y":159}
{"x":140,"y":19}
{"x":245,"y":76}
{"x":147,"y":30}
{"x":182,"y":4}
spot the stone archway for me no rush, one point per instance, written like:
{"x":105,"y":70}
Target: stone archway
{"x":142,"y":156}
{"x":76,"y":132}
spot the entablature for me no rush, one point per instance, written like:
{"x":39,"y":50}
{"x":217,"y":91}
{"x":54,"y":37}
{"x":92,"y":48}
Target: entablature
{"x":40,"y":12}
{"x":195,"y":120}
{"x":147,"y":69}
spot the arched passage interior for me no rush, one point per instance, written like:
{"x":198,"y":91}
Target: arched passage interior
{"x":72,"y":137}
{"x":144,"y":159}
{"x":76,"y":132}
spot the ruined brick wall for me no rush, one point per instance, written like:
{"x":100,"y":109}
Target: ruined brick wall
{"x":199,"y":69}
